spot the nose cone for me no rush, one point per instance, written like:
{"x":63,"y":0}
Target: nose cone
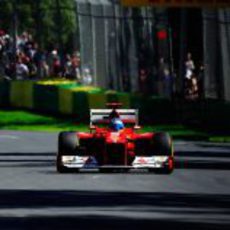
{"x":113,"y":137}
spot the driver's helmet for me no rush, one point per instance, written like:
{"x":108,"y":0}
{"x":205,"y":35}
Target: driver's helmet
{"x":116,"y":124}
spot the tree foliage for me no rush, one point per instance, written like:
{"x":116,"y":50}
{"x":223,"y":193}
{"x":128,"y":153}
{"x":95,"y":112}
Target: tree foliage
{"x":52,"y":22}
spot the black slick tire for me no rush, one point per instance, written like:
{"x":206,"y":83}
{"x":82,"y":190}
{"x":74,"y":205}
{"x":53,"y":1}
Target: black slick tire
{"x":162,"y":146}
{"x":67,"y":144}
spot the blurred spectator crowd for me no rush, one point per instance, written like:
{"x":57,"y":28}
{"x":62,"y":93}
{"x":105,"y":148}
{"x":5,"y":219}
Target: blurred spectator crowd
{"x":166,"y":83}
{"x":193,"y":80}
{"x":28,"y":61}
{"x":24,"y":59}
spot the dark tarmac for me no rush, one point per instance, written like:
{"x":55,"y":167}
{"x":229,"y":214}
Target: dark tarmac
{"x":34,"y":196}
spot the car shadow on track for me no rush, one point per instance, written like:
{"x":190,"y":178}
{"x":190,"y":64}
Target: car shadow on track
{"x":215,"y":160}
{"x":27,"y":159}
{"x":102,"y":205}
{"x":103,"y":223}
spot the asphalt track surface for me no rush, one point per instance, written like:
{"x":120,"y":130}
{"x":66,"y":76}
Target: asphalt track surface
{"x":34,"y":196}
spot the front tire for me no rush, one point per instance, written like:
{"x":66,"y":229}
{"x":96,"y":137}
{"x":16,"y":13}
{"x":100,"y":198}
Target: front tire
{"x":162,"y":146}
{"x":67,"y":144}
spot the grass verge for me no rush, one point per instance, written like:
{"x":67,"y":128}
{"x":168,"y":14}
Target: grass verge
{"x":28,"y":121}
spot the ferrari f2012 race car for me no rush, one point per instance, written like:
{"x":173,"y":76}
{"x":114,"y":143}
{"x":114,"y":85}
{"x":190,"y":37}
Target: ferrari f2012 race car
{"x":113,"y":143}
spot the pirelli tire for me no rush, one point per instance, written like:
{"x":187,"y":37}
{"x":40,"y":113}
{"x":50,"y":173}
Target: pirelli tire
{"x":67,"y":144}
{"x":163,"y":146}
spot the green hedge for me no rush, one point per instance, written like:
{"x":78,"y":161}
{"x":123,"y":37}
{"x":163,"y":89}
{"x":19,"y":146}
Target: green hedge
{"x":4,"y":94}
{"x":45,"y":98}
{"x":80,"y":105}
{"x":215,"y":115}
{"x":64,"y":97}
{"x":21,"y":94}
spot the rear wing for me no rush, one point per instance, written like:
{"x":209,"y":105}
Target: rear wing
{"x":101,"y":116}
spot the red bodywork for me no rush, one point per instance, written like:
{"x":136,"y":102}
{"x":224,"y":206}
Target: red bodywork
{"x":115,"y":148}
{"x":103,"y":147}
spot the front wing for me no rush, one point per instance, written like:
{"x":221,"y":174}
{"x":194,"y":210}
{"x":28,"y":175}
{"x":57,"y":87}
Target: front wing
{"x":90,"y":162}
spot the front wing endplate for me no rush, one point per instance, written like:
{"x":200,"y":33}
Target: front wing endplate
{"x":90,"y":162}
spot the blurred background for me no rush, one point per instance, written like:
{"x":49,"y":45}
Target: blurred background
{"x":167,"y":52}
{"x":169,"y":59}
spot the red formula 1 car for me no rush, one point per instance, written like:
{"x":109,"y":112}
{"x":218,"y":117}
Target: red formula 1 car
{"x":116,"y":146}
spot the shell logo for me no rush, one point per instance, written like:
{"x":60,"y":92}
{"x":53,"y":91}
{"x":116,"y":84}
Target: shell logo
{"x":142,"y":161}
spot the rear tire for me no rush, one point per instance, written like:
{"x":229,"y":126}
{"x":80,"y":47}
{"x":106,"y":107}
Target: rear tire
{"x":162,"y":146}
{"x":67,"y":144}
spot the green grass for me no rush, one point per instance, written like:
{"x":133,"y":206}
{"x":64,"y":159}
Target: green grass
{"x":21,"y":120}
{"x":28,"y":121}
{"x":178,"y":131}
{"x":220,"y":139}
